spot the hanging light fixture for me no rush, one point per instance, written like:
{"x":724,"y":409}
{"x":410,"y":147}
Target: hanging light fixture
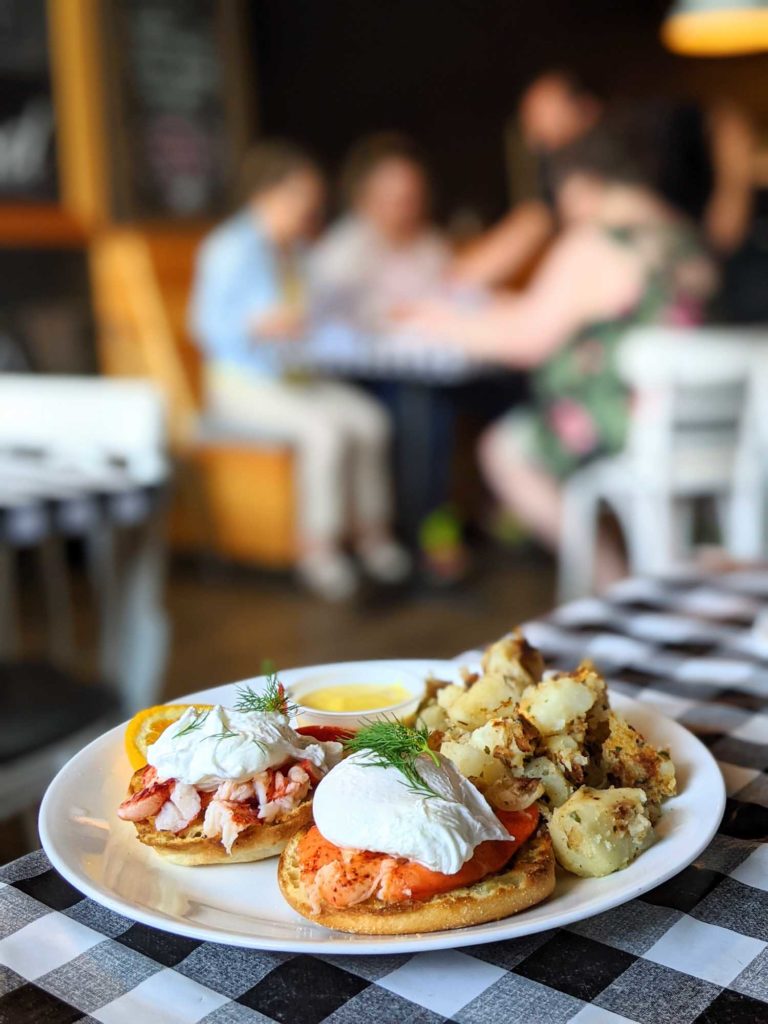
{"x":716,"y":28}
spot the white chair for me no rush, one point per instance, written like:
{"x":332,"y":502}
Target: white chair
{"x":99,"y":443}
{"x":695,"y":432}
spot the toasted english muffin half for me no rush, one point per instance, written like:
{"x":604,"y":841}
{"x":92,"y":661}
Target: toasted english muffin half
{"x":191,"y":848}
{"x":527,"y":881}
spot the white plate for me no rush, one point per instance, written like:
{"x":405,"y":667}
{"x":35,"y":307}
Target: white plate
{"x":240,"y":904}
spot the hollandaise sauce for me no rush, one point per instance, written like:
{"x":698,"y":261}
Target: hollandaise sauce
{"x":355,"y":697}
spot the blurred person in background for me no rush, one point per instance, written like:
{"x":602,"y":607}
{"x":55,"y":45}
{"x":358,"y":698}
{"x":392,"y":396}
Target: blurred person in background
{"x":698,"y":160}
{"x":249,"y":289}
{"x":383,"y":253}
{"x":623,"y":258}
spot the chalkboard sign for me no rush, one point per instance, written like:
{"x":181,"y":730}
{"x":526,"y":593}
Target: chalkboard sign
{"x":177,"y":104}
{"x":27,"y":143}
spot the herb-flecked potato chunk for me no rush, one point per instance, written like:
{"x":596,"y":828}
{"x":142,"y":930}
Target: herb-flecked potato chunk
{"x":558,"y":701}
{"x":598,"y":831}
{"x":628,"y":760}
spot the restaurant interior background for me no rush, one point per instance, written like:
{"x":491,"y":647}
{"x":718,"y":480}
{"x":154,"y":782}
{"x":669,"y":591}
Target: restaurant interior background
{"x":146,"y":550}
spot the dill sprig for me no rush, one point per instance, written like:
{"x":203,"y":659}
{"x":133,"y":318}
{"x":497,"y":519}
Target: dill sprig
{"x":195,"y":723}
{"x":198,"y":720}
{"x":395,"y":745}
{"x":225,"y":734}
{"x":273,"y":697}
{"x":228,"y":734}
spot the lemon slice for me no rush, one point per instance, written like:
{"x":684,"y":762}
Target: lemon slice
{"x":147,"y":725}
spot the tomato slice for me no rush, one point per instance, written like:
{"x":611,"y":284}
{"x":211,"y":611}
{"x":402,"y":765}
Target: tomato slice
{"x":325,"y":733}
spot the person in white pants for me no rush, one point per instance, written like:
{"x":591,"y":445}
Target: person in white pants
{"x":249,"y":287}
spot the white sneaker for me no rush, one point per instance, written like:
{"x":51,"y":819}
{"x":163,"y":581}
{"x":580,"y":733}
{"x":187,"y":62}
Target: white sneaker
{"x":330,"y":575}
{"x":385,"y":561}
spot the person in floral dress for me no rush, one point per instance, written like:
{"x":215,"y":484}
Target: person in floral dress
{"x":623,"y":258}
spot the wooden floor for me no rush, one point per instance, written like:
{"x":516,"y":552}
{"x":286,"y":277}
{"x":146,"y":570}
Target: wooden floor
{"x":226,"y":621}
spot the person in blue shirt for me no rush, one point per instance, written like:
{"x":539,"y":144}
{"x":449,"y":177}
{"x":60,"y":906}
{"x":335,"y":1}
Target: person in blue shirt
{"x":249,"y":288}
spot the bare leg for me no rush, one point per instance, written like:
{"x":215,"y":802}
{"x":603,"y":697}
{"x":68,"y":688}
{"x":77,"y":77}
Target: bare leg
{"x":295,"y":415}
{"x":364,"y":423}
{"x":528,"y":491}
{"x":536,"y":499}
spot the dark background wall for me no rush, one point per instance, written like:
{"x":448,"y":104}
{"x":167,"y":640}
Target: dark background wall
{"x":27,"y":152}
{"x":449,"y":72}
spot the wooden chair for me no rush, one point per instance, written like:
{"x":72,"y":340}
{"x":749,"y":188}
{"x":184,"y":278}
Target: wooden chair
{"x":233,"y":494}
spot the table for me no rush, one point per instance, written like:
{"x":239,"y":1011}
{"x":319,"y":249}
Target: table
{"x":341,"y":349}
{"x":693,"y":949}
{"x":119,"y":514}
{"x":421,"y":386}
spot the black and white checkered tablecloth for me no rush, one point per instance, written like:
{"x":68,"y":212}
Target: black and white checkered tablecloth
{"x":694,"y":949}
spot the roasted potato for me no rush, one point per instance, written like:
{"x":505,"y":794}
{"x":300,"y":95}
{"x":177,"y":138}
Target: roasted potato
{"x":568,"y":753}
{"x":557,"y":788}
{"x":505,"y":739}
{"x":471,"y":761}
{"x":489,"y":697}
{"x":558,"y":701}
{"x":628,"y":760}
{"x":448,"y":695}
{"x":598,"y":831}
{"x":433,"y":716}
{"x":513,"y":793}
{"x":521,"y":737}
{"x":513,"y":658}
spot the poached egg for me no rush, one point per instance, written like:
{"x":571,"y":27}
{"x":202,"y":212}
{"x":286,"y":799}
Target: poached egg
{"x":367,"y":806}
{"x":204,"y":749}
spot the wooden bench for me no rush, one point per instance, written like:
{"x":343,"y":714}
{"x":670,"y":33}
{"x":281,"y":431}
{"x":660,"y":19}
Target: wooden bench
{"x":234,"y":495}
